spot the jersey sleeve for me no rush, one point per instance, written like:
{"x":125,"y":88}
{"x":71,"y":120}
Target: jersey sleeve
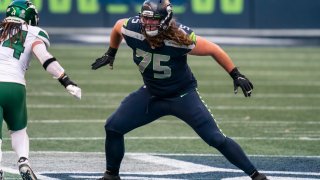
{"x":188,"y":31}
{"x":132,"y":23}
{"x":132,"y":28}
{"x":131,"y":31}
{"x":43,"y":35}
{"x":38,"y":33}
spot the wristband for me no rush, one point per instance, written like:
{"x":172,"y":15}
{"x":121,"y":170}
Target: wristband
{"x":112,"y":52}
{"x":65,"y":81}
{"x":47,"y":62}
{"x":234,"y":73}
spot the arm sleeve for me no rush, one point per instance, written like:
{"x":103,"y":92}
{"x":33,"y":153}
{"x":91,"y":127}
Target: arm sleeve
{"x":53,"y":67}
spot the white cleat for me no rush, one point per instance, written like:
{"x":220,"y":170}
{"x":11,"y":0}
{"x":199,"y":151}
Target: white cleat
{"x":25,"y":170}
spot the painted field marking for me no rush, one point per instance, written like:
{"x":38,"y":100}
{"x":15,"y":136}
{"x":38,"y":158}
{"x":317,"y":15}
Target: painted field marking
{"x":15,"y":171}
{"x":202,"y":82}
{"x":115,"y":105}
{"x":161,"y":166}
{"x":270,"y":177}
{"x":165,"y":138}
{"x":174,"y":121}
{"x":217,"y":95}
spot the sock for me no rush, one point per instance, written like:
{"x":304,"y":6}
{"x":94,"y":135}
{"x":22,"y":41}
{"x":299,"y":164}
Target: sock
{"x":0,"y":153}
{"x":114,"y":147}
{"x":234,"y":153}
{"x":254,"y":174}
{"x":20,"y":142}
{"x":113,"y":173}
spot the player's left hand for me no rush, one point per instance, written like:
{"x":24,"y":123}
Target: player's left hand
{"x":74,"y":90}
{"x":70,"y":86}
{"x":239,"y":80}
{"x":102,"y":61}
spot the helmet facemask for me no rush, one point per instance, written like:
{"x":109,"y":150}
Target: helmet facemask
{"x":155,"y":17}
{"x":150,"y":23}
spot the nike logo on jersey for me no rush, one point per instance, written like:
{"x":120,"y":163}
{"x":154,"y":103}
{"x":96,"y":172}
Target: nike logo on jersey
{"x":182,"y":95}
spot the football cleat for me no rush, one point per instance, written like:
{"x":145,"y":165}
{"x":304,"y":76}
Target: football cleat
{"x":107,"y":176}
{"x":260,"y":176}
{"x":1,"y":175}
{"x":25,"y":170}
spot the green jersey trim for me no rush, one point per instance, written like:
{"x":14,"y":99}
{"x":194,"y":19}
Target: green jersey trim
{"x":43,"y":34}
{"x":193,"y":37}
{"x":125,"y":24}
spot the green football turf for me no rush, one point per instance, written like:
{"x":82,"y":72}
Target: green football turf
{"x":281,"y":118}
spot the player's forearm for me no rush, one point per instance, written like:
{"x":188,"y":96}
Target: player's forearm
{"x":116,"y":36}
{"x":48,"y":62}
{"x":223,"y":59}
{"x":207,"y":48}
{"x":115,"y":40}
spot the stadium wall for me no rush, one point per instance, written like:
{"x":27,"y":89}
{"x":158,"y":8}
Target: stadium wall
{"x":242,"y":14}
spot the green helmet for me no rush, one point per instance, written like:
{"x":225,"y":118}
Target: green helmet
{"x":24,"y":10}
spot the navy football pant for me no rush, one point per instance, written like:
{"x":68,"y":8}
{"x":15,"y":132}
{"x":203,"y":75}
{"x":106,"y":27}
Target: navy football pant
{"x":141,"y":108}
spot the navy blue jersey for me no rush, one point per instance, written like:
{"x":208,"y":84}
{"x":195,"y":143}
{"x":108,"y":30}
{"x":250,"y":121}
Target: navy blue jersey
{"x":164,"y":70}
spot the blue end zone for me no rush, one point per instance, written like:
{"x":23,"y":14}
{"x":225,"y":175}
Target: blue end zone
{"x":214,"y":167}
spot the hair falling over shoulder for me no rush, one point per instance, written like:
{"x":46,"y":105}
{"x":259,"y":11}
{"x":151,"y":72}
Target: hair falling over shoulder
{"x":173,"y":33}
{"x":11,"y":30}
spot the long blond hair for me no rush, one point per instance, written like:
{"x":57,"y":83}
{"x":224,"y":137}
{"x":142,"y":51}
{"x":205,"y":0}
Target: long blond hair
{"x":172,"y":33}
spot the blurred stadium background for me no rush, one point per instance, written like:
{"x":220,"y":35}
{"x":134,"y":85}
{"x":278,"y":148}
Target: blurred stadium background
{"x":275,"y":43}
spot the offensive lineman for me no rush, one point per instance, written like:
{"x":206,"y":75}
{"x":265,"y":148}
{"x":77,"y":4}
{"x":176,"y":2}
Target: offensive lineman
{"x":160,"y":48}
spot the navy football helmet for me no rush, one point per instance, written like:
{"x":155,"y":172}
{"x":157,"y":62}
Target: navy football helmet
{"x":160,"y":10}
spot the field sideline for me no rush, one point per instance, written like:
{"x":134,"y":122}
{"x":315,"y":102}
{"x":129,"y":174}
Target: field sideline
{"x":279,"y":122}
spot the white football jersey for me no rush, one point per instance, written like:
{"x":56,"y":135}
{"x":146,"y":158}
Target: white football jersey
{"x":16,"y":56}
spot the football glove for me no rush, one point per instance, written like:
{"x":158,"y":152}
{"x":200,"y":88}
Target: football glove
{"x":74,"y":91}
{"x":70,"y":86}
{"x":242,"y":81}
{"x":107,"y":58}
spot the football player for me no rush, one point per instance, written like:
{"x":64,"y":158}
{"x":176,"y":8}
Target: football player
{"x":20,"y":36}
{"x":160,"y":48}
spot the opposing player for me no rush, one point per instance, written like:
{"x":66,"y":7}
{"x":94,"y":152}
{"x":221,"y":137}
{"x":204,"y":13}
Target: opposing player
{"x":19,"y":38}
{"x":160,"y":47}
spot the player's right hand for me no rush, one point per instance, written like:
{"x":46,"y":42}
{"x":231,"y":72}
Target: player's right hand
{"x":102,"y":61}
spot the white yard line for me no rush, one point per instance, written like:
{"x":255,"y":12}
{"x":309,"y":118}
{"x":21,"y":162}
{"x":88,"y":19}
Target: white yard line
{"x":201,"y":82}
{"x":112,"y":106}
{"x":168,"y":138}
{"x":175,"y":121}
{"x":216,"y":95}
